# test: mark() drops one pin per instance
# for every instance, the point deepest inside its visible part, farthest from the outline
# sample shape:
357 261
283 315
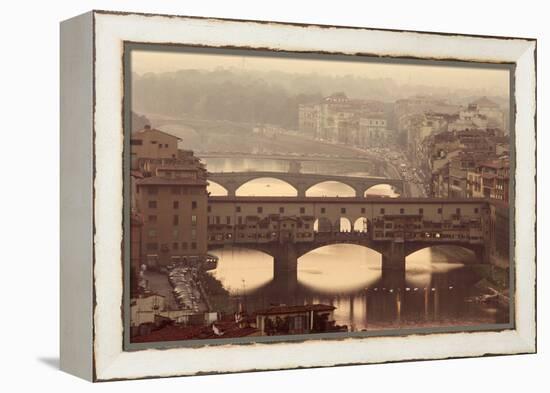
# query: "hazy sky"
495 80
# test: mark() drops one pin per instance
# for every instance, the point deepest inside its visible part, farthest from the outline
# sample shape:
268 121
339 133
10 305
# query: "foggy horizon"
490 81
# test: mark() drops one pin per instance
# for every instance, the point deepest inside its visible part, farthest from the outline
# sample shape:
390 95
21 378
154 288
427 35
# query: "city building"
373 131
136 224
338 118
169 200
453 158
149 311
411 112
299 319
185 163
308 119
174 219
496 117
258 228
153 143
490 179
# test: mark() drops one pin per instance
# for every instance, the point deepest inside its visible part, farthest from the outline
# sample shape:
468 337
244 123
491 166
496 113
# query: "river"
437 289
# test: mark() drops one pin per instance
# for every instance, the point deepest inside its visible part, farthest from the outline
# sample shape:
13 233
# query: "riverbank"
492 278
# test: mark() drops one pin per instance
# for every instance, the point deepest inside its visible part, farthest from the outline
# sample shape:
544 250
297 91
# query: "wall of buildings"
338 118
169 201
174 219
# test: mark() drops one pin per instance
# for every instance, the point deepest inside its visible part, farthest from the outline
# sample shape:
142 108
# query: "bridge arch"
216 189
382 189
267 186
361 225
250 268
468 253
378 253
341 189
345 268
322 224
343 224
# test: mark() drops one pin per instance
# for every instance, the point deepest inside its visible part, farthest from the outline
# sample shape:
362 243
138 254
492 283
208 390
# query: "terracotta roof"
149 129
189 167
294 309
175 333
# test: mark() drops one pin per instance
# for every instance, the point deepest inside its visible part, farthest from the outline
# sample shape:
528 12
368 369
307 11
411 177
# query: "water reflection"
381 190
435 290
330 189
241 270
319 272
266 186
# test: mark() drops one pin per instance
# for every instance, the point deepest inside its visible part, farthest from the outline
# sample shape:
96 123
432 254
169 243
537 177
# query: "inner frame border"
129 46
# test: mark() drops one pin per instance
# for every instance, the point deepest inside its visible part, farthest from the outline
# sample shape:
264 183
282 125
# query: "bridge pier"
285 261
231 192
394 257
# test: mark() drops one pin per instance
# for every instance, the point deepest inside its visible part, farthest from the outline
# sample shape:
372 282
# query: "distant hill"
270 97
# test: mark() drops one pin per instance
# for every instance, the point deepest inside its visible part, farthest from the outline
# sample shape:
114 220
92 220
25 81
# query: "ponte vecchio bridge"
301 182
288 227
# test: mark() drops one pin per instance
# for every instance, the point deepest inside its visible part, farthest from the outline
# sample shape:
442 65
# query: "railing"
342 236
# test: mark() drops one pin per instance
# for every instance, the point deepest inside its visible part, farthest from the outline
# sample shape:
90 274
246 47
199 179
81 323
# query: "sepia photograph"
277 195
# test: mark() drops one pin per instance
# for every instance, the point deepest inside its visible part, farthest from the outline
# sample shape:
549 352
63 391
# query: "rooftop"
175 333
162 181
148 128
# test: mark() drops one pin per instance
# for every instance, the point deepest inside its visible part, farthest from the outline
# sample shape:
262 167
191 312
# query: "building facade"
338 118
153 144
169 197
174 219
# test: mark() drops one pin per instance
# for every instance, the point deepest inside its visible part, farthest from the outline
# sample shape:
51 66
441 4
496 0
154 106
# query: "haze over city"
279 196
469 77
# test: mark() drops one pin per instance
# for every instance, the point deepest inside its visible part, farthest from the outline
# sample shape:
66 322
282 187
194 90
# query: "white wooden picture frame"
92 140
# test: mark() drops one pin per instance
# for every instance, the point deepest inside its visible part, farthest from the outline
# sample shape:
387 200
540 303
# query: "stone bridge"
288 227
301 182
394 252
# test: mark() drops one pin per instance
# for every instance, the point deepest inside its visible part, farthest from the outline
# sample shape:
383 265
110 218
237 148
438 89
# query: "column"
394 258
285 261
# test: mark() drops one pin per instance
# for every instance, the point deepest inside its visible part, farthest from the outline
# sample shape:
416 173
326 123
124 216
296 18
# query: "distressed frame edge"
526 339
76 40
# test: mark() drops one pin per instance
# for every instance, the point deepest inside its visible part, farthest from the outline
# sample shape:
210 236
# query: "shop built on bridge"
288 227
